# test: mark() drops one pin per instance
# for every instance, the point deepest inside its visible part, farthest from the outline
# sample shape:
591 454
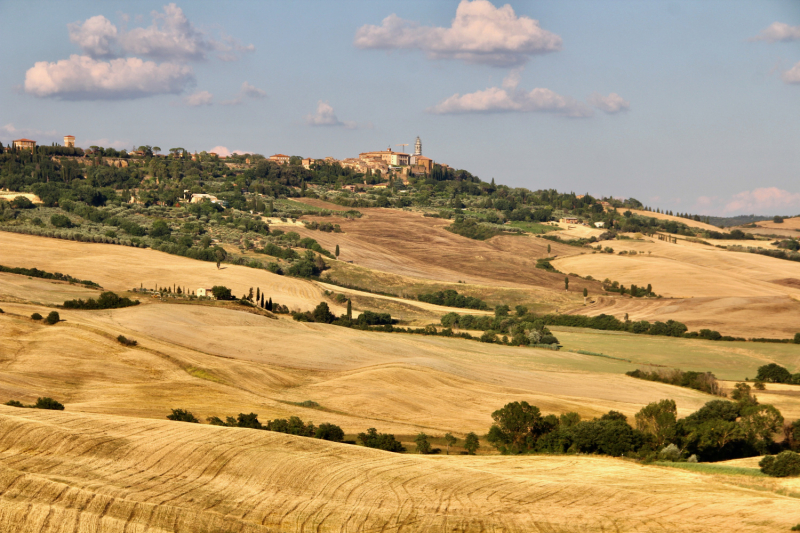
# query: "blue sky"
688 106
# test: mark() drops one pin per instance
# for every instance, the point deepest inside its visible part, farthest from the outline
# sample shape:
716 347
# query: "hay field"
63 471
218 362
688 222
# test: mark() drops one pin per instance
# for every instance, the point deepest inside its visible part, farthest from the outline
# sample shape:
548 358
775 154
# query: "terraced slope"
65 472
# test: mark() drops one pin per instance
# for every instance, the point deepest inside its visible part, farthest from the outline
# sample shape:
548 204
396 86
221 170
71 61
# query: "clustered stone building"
381 161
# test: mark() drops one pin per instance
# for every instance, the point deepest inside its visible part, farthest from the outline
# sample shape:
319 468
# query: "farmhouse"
388 156
24 144
197 198
599 224
204 292
281 159
569 220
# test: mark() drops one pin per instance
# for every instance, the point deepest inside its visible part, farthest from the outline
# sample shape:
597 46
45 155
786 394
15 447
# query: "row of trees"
719 430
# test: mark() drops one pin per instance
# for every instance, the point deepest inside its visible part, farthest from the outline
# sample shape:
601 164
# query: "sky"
690 106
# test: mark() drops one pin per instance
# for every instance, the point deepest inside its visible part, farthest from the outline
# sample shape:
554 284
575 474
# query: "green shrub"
784 464
14 403
60 221
107 300
330 432
221 292
181 415
773 373
126 341
52 318
36 316
48 403
381 441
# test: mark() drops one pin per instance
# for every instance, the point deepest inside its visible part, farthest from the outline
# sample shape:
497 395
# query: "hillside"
65 471
661 216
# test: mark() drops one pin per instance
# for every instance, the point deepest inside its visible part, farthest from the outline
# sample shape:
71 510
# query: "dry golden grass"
63 471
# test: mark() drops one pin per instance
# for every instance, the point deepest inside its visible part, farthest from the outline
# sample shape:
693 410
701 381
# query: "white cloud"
761 201
171 37
792 75
325 116
9 131
85 78
479 33
252 91
511 99
96 36
106 143
778 31
613 103
198 99
223 151
247 90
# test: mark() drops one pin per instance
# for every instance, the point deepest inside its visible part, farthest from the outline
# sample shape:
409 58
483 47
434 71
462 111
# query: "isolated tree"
337 251
270 304
450 440
258 293
156 149
220 255
585 292
742 394
349 310
797 338
48 403
773 373
182 415
566 283
52 318
471 443
516 427
548 248
658 419
262 302
423 446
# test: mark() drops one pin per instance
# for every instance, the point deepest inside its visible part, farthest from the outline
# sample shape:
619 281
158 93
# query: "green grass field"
532 227
708 468
727 360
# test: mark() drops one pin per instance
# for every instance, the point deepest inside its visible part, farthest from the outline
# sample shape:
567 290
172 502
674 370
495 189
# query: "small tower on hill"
418 147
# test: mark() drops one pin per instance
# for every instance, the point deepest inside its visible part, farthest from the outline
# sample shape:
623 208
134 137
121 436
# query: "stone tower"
69 141
418 147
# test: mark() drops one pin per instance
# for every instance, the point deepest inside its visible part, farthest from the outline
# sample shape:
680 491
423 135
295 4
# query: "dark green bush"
126 341
52 318
48 403
785 464
330 432
381 441
182 415
107 300
36 316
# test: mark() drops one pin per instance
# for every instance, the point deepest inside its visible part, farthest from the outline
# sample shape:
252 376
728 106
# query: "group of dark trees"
719 430
106 300
292 426
451 298
365 320
36 273
702 381
41 403
775 373
51 318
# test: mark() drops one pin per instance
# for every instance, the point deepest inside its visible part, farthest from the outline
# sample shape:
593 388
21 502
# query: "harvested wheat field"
77 472
687 221
219 362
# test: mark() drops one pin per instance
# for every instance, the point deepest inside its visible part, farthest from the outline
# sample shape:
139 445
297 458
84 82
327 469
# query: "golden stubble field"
68 471
111 462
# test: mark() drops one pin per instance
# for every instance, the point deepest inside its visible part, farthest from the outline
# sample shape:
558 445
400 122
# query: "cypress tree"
258 293
349 310
271 308
337 251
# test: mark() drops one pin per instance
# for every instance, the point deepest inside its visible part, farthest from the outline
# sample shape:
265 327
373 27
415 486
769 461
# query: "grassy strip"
711 468
586 352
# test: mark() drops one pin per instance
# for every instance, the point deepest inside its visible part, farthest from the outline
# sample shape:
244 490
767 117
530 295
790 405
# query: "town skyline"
689 107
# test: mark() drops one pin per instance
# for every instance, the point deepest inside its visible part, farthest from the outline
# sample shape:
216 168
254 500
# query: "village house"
201 292
281 159
388 156
197 198
569 220
24 144
599 224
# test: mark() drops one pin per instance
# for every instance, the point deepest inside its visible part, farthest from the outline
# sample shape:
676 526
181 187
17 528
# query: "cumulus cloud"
480 33
778 31
511 99
170 37
223 151
9 131
325 116
761 201
247 91
613 103
97 36
792 75
83 77
198 99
